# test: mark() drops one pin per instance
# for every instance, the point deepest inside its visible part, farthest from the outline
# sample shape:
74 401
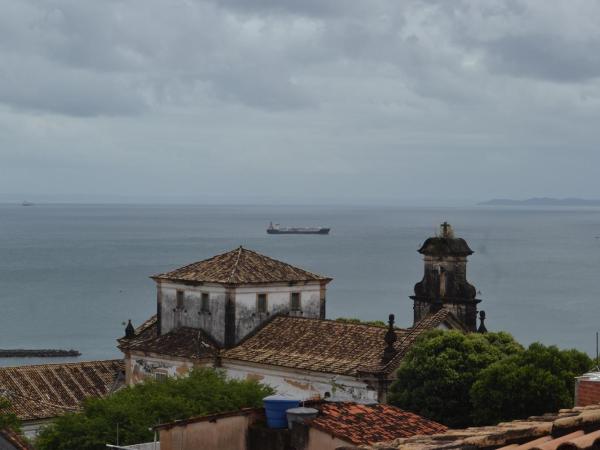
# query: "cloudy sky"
298 101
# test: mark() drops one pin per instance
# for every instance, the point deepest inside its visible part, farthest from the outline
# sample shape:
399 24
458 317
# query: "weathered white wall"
213 322
139 368
248 319
303 385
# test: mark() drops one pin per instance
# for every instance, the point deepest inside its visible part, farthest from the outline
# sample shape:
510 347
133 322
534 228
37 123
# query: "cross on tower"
445 227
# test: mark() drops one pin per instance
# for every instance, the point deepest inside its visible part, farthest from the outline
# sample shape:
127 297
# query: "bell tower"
444 283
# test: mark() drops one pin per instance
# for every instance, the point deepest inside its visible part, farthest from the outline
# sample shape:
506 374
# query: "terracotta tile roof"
365 424
184 342
310 344
569 429
313 344
240 266
16 440
45 391
429 322
352 422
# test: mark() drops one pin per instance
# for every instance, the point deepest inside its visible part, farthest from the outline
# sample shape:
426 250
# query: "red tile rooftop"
569 429
364 424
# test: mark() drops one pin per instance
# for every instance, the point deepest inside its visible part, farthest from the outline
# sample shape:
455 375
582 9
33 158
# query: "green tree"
136 409
375 323
436 375
539 380
7 418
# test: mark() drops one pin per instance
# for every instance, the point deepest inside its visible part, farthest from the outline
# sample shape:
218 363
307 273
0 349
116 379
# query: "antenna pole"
597 366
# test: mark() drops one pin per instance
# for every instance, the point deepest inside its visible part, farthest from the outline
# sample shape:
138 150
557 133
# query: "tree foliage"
479 379
437 374
375 323
7 418
538 380
136 409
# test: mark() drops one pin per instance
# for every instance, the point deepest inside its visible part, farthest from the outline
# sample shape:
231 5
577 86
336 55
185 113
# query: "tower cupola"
444 284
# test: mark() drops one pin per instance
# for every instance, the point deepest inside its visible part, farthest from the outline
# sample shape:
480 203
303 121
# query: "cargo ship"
276 229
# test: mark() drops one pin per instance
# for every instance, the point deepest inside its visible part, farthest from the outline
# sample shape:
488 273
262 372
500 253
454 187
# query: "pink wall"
228 433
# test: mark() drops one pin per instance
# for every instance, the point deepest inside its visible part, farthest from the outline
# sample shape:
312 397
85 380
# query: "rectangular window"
179 299
261 303
295 301
205 303
160 375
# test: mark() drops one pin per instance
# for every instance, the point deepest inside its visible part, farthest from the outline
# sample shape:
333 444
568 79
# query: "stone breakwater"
44 353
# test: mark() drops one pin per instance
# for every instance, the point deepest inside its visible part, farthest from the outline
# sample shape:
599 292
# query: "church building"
259 318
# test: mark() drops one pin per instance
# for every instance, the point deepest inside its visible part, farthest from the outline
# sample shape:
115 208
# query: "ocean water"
70 275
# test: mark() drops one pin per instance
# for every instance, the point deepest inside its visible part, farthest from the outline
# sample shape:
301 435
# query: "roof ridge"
235 264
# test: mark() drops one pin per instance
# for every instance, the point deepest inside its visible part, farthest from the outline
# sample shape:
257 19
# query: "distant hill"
541 201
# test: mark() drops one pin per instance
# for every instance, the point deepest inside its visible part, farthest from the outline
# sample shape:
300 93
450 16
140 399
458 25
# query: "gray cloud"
324 91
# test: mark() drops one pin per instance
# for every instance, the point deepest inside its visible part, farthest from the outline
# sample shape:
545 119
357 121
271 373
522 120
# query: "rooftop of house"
366 424
569 429
44 391
328 346
14 439
238 267
309 344
184 342
313 344
355 423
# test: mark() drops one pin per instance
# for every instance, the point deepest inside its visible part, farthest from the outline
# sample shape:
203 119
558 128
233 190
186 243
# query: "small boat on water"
26 203
276 229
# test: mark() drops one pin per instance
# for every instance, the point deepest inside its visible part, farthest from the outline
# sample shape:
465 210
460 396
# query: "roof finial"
446 230
482 328
390 338
129 330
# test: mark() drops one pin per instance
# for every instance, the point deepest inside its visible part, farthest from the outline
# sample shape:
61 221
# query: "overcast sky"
299 100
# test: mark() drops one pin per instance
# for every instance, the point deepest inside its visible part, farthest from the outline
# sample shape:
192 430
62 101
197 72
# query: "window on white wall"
161 375
295 301
205 302
180 296
261 303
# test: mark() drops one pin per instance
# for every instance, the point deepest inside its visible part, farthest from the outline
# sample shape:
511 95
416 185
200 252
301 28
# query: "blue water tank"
275 408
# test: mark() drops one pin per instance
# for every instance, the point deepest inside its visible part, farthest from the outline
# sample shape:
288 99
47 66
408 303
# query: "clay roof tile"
240 266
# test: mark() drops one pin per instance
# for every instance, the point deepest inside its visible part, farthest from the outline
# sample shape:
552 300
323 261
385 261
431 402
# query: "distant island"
45 353
541 201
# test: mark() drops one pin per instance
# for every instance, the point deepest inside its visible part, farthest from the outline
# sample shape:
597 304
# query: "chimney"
587 389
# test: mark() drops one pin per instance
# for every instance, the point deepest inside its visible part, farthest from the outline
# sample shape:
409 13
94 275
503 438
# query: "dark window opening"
205 303
295 301
261 303
179 299
161 376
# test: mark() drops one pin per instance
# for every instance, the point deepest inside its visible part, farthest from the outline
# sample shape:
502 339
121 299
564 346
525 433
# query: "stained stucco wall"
227 433
213 321
141 367
318 440
302 384
248 319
